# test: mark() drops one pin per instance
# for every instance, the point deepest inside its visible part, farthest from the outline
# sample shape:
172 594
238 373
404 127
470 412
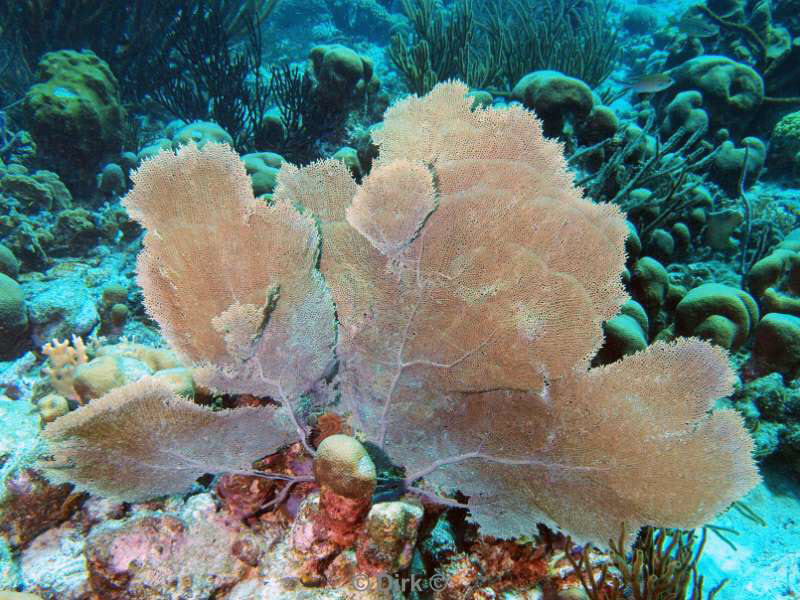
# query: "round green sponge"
13 315
777 345
719 313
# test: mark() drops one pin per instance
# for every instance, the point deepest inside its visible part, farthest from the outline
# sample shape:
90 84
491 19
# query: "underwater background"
127 471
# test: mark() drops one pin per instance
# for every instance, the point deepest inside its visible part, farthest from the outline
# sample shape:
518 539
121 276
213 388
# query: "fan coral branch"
467 320
245 303
141 440
471 280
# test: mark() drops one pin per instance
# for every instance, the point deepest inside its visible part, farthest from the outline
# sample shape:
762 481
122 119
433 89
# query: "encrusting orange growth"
64 358
470 280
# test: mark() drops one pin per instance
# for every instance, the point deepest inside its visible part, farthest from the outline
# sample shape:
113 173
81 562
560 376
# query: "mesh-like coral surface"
469 279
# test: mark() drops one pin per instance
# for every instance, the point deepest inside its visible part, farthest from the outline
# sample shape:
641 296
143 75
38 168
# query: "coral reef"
32 506
75 109
371 353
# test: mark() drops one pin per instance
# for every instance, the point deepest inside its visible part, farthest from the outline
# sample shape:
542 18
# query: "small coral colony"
426 299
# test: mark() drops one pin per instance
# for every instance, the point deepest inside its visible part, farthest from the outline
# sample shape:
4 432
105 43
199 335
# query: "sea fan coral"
141 440
466 331
232 283
470 281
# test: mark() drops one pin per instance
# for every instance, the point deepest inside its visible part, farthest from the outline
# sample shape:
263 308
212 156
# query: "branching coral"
308 118
179 52
470 280
442 46
64 358
126 36
518 36
575 37
207 75
664 565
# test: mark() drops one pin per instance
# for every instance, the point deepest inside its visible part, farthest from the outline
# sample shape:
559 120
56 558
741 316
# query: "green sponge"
720 313
777 345
13 315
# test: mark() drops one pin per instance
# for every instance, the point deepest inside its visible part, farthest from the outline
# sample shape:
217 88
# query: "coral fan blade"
140 441
206 248
467 348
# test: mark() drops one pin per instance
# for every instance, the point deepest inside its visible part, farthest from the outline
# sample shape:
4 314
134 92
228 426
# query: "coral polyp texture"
461 287
232 282
141 440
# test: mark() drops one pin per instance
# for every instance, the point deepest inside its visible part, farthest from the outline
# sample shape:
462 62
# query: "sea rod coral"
450 305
